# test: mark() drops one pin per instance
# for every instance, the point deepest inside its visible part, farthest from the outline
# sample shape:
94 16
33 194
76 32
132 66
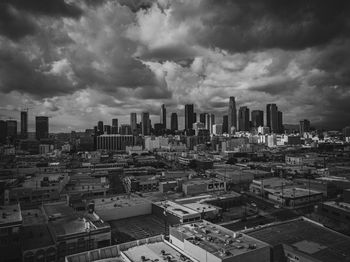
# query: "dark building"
3 131
304 126
24 124
146 124
194 117
114 129
272 117
133 123
100 127
107 129
125 130
232 114
280 128
257 118
225 124
243 118
174 122
158 129
11 129
42 127
202 118
189 116
163 116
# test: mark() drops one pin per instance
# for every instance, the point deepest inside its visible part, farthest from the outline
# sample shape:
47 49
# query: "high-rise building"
133 122
207 122
194 117
197 126
173 122
202 118
225 124
107 129
163 116
189 116
114 129
243 118
280 127
232 114
146 124
257 118
304 126
100 127
125 130
24 124
272 117
211 122
41 127
217 129
11 129
3 131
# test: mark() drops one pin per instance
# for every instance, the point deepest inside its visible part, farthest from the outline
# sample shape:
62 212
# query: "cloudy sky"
80 61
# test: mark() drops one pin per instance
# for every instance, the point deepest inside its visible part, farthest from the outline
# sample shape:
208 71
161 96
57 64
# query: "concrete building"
41 127
243 119
24 124
217 129
257 117
303 240
195 187
189 116
163 116
114 142
208 242
232 115
133 123
174 122
145 124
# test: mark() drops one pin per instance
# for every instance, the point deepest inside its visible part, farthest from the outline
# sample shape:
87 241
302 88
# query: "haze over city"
83 61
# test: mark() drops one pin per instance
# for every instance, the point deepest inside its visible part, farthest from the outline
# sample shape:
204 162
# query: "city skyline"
79 62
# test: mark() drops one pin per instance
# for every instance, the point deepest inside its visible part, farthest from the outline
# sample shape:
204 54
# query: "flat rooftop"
340 205
310 238
158 251
214 239
35 181
294 192
33 217
10 215
119 201
177 209
201 207
203 181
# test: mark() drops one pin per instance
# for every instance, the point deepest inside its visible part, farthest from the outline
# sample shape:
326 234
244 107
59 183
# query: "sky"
80 61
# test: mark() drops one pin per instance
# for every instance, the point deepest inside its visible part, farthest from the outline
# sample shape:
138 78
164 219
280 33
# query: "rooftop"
216 239
119 201
308 237
294 192
158 251
10 215
202 181
340 205
33 217
177 209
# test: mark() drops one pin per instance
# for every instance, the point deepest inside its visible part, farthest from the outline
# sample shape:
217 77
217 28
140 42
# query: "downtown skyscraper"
243 119
173 122
133 122
232 114
146 124
41 127
257 117
24 124
189 117
163 116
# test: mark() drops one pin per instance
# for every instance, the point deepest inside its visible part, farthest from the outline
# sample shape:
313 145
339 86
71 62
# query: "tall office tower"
107 129
41 127
194 117
243 118
280 127
11 129
145 124
133 122
163 116
2 131
217 129
211 122
100 127
188 116
125 130
207 122
272 117
304 126
114 129
173 122
202 118
257 118
225 124
232 114
24 124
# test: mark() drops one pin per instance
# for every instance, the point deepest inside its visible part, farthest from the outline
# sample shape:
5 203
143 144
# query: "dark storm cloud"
136 5
19 74
17 17
250 25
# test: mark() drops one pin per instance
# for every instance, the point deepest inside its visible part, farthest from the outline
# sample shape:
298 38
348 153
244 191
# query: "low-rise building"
199 186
